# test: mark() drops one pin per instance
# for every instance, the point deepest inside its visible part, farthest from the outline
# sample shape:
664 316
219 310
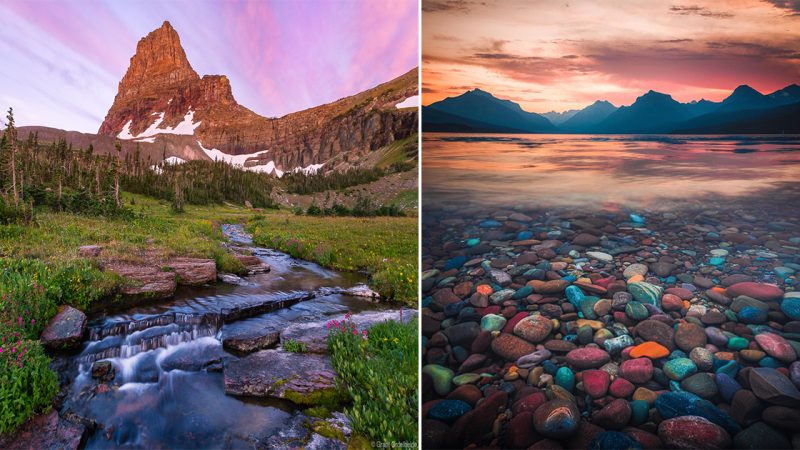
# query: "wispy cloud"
700 11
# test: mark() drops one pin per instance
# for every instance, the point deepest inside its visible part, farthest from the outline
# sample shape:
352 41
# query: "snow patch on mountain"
185 127
410 102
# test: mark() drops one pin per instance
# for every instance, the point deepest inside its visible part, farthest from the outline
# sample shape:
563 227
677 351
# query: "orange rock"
686 304
724 356
635 278
650 349
718 289
484 289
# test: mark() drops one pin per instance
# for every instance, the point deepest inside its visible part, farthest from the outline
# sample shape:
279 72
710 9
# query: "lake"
603 170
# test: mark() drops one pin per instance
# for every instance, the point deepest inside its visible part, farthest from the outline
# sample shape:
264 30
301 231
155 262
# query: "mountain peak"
744 88
159 58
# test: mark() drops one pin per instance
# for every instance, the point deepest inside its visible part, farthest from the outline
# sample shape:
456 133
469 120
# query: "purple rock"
716 336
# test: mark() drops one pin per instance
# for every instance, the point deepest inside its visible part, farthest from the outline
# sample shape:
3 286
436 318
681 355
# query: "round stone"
692 432
557 419
700 384
791 307
442 378
635 269
650 349
777 347
565 378
511 347
587 358
596 383
653 330
636 310
621 388
637 371
534 328
759 291
689 336
679 368
702 358
449 410
492 322
737 343
645 292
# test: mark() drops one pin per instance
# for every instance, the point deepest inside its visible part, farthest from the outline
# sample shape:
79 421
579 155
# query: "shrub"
27 385
397 281
378 368
291 345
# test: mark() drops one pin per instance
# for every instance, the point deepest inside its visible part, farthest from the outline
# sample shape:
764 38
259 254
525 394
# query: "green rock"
640 411
442 378
646 292
679 368
466 378
737 343
701 385
636 310
492 322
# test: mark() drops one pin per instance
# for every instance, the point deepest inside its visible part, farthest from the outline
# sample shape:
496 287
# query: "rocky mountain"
484 109
557 118
587 118
161 96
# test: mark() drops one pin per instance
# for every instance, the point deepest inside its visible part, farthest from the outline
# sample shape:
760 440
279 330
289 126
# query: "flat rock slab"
194 271
65 330
45 432
303 378
148 281
315 334
249 342
253 264
363 291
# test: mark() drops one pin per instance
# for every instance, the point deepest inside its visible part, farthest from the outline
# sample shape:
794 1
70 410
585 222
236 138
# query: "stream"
168 359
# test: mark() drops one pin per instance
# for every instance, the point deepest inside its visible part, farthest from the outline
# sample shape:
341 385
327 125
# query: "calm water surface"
602 170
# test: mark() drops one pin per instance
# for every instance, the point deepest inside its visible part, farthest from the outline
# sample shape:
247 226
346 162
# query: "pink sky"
63 59
560 55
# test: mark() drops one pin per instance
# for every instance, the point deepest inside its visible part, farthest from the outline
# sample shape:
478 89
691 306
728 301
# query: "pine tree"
11 134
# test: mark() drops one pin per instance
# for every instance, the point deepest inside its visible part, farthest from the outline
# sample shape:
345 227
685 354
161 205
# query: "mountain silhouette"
585 120
480 109
745 110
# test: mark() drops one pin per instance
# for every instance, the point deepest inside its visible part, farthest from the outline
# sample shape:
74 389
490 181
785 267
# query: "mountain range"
744 111
163 109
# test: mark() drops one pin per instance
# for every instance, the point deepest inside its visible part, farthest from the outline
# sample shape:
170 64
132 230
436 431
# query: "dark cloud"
675 41
791 5
460 6
699 10
428 90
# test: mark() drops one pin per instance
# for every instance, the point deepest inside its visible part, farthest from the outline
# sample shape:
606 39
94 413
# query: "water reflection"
595 170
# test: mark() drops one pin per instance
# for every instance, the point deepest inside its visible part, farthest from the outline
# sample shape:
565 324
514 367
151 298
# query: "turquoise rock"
524 235
769 361
522 292
783 272
737 343
575 295
426 301
716 261
455 262
565 378
635 218
442 378
679 368
791 307
490 224
617 344
646 292
729 368
587 307
492 322
640 411
473 242
449 410
636 310
752 315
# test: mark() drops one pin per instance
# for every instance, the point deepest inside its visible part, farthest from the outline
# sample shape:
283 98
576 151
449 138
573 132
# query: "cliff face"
161 93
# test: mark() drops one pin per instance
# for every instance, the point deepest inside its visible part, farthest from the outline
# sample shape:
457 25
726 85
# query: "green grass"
398 151
384 247
406 200
380 363
294 346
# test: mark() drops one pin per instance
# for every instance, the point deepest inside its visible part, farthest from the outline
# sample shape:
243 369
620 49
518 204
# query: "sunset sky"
63 59
560 55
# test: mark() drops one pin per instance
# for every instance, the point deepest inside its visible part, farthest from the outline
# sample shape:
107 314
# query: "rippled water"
168 391
602 170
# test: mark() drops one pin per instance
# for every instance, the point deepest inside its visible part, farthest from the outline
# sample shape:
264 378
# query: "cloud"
699 10
459 6
791 5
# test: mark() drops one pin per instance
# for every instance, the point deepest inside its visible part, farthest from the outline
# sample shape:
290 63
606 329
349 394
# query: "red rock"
587 431
649 441
596 382
591 288
546 444
511 347
520 432
692 432
638 370
605 282
671 302
468 393
777 347
621 388
614 415
472 426
587 358
759 291
65 330
529 403
194 271
482 342
682 293
45 431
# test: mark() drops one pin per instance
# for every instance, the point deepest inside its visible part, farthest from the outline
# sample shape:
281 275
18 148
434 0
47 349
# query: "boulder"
45 432
194 271
65 330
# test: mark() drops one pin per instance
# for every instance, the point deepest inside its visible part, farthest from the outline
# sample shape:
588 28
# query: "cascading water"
165 386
